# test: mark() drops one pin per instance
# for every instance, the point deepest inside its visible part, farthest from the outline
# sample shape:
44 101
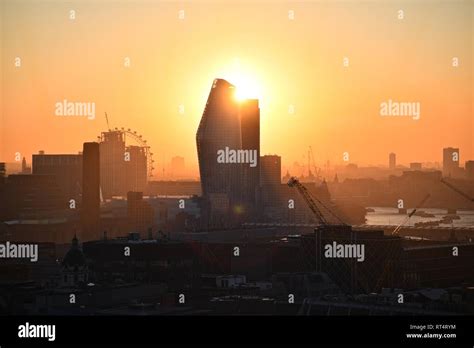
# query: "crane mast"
107 120
317 171
311 202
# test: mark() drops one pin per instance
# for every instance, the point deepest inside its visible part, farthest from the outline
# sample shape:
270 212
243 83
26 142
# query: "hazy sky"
281 61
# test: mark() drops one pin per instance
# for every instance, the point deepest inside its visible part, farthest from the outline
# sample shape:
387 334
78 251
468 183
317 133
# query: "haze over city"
322 89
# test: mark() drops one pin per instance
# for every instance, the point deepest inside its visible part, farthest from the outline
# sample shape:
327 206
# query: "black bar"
140 330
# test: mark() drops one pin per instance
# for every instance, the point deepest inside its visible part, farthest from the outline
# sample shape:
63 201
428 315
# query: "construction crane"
107 120
311 161
454 188
388 265
313 202
397 229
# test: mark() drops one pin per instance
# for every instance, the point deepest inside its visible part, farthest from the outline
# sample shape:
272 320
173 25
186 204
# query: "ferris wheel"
131 137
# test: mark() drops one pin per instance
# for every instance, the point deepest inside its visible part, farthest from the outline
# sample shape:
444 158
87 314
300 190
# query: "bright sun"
245 81
245 88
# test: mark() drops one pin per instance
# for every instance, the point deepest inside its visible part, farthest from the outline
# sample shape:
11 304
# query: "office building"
469 169
31 196
139 212
270 180
67 169
392 161
112 162
219 129
415 166
90 212
450 161
250 129
135 169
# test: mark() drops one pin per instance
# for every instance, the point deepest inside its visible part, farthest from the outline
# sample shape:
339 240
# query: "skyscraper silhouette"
450 161
228 188
112 165
250 132
392 160
135 169
90 213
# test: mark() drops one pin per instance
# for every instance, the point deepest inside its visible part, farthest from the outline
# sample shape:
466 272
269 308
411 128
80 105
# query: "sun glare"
245 81
245 88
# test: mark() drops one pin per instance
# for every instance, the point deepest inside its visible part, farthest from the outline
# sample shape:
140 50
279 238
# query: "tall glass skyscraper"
227 123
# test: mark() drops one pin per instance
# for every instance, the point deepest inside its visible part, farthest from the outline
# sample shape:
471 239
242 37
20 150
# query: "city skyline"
169 170
215 159
308 96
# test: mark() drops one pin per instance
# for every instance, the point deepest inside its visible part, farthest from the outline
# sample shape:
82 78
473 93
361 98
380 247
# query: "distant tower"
90 213
270 179
392 160
23 165
450 161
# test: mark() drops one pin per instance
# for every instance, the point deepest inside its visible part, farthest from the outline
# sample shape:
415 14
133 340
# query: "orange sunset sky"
256 46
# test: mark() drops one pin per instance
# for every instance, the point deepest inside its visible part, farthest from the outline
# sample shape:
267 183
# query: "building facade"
66 168
392 160
112 173
220 129
90 210
450 161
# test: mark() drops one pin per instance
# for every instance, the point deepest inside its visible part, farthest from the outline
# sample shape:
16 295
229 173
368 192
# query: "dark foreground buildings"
387 262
